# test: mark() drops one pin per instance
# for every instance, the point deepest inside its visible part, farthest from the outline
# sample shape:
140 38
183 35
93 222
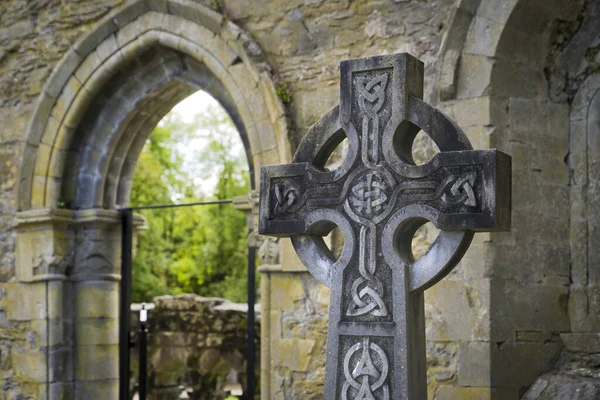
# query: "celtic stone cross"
378 197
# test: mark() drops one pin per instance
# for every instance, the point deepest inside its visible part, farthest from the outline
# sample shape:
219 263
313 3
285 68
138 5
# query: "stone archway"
91 121
584 158
512 289
230 55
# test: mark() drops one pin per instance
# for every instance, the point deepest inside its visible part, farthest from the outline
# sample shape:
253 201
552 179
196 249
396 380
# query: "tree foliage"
199 249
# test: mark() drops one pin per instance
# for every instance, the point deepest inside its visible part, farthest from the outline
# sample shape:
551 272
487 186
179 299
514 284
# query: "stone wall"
519 75
296 330
193 344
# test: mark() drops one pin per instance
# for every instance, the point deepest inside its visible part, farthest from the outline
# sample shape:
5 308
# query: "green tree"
200 249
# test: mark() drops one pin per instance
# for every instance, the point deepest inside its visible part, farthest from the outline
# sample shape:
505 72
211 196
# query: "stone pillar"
294 307
95 278
66 301
42 353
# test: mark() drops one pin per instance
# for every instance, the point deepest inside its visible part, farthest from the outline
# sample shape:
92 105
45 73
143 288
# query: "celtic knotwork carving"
461 190
369 198
372 91
371 96
358 385
368 195
367 290
285 197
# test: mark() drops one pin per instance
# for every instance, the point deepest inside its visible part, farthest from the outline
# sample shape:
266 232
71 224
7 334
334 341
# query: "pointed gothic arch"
214 55
95 112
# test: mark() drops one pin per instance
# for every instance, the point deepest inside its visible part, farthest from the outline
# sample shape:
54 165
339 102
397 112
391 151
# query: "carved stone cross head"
378 197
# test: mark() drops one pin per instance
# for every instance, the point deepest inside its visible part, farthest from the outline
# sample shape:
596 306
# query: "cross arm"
469 189
285 192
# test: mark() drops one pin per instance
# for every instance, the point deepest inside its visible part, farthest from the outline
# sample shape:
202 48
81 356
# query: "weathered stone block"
578 156
129 12
43 244
25 302
446 392
521 43
499 12
100 390
453 310
96 299
480 136
61 391
583 303
483 36
477 111
49 134
96 362
546 263
89 42
539 307
582 342
268 141
295 354
268 157
312 104
474 72
97 331
62 73
30 364
47 332
289 260
60 364
287 292
474 364
476 263
533 359
198 13
533 336
489 364
88 66
41 165
519 80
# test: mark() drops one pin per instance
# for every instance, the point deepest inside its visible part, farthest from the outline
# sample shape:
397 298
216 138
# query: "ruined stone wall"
193 343
34 35
296 330
496 67
305 41
573 71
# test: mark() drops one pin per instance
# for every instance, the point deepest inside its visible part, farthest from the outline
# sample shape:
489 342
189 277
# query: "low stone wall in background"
195 345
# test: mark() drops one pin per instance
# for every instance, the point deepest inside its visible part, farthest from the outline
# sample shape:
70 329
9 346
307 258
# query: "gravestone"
378 198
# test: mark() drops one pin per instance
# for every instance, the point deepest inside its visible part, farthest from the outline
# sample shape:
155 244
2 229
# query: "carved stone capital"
268 247
97 252
249 205
44 244
85 244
